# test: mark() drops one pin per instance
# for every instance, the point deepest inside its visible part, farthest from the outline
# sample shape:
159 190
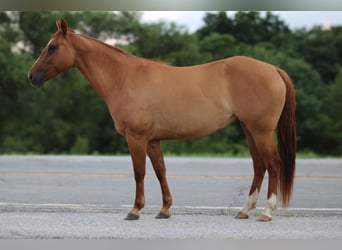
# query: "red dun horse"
150 101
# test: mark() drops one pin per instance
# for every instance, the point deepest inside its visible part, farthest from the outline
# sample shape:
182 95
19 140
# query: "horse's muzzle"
37 78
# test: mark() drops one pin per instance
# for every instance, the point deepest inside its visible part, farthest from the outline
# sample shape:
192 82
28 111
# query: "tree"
218 46
322 49
331 118
248 27
216 23
166 42
252 28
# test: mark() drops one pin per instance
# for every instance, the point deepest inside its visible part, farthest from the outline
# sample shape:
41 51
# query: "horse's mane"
106 45
115 48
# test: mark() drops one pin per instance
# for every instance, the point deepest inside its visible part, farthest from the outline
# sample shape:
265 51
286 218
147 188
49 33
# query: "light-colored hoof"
241 215
264 218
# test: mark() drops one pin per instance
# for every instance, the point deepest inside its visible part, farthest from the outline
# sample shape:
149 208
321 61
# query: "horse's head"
57 56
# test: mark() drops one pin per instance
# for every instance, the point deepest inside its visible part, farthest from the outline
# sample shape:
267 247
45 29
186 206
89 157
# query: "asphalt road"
88 197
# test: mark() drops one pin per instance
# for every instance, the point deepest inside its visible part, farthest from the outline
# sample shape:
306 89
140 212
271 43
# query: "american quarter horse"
150 101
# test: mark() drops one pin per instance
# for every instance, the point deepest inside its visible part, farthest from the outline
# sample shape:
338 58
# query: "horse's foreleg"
137 148
155 153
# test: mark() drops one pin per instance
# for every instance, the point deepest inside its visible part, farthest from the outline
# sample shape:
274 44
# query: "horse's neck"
102 66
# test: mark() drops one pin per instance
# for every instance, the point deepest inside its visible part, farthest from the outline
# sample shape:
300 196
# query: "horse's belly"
193 107
188 125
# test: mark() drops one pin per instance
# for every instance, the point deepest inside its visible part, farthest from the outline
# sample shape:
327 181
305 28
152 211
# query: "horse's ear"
62 26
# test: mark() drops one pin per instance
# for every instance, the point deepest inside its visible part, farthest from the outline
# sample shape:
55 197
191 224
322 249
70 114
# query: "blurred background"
67 117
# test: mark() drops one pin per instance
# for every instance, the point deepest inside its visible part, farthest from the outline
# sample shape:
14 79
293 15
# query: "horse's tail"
286 133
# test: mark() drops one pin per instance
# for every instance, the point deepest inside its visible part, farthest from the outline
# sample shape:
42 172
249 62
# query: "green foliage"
68 117
218 46
175 45
331 118
81 146
322 49
215 23
247 27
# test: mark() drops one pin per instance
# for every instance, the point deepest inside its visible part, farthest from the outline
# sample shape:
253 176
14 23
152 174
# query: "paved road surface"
87 197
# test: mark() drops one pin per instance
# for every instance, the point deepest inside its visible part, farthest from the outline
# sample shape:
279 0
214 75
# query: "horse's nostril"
30 77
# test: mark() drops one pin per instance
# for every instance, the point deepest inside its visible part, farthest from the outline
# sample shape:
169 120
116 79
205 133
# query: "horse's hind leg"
266 147
155 153
259 172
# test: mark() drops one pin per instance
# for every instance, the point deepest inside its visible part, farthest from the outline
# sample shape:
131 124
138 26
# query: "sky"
193 20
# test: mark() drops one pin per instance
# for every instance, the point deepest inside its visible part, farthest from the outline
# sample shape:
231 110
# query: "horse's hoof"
162 215
241 215
264 218
131 216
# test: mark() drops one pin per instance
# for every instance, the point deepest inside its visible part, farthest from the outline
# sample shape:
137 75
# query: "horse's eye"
52 47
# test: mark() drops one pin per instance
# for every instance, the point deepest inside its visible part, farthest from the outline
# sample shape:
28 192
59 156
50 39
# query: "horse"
150 101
